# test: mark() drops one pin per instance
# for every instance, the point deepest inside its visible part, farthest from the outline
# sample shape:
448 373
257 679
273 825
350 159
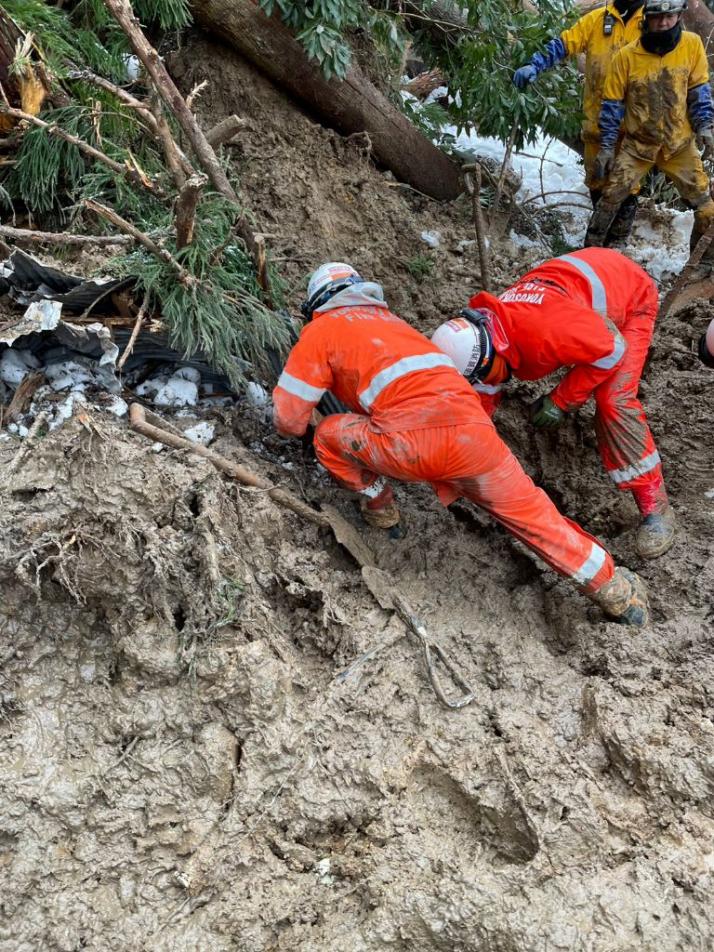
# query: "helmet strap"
479 321
323 295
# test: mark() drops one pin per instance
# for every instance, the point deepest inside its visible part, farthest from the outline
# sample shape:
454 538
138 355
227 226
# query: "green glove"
545 413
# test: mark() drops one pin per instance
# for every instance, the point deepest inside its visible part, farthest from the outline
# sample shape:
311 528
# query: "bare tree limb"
124 15
123 225
128 171
26 236
473 187
186 205
134 333
224 130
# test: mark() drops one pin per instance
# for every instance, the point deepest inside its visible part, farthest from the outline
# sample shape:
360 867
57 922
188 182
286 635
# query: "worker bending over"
593 311
598 34
416 419
659 86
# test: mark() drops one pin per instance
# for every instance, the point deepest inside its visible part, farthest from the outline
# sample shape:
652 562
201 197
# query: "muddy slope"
179 768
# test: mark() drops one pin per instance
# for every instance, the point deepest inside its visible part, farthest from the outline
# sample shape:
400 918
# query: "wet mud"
182 769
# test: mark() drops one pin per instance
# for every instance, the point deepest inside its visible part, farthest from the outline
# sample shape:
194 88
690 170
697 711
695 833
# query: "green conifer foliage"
223 315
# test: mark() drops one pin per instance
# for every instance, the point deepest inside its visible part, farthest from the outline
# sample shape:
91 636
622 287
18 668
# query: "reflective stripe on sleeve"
371 492
637 469
401 368
615 356
488 388
298 388
597 288
591 566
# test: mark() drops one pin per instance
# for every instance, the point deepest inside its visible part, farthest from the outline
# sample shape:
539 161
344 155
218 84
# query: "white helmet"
658 7
325 282
467 341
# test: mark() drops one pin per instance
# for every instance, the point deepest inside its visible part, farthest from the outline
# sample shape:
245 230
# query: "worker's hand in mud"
544 413
524 76
604 161
705 141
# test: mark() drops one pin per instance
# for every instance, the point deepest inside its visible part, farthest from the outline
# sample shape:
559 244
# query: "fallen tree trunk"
352 105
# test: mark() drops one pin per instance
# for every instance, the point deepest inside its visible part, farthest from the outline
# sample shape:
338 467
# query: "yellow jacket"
587 36
654 89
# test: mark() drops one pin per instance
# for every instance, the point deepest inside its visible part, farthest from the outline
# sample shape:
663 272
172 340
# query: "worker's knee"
704 212
337 435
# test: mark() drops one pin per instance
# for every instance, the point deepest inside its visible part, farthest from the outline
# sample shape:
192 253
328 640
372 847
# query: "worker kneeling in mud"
599 34
659 85
416 419
593 311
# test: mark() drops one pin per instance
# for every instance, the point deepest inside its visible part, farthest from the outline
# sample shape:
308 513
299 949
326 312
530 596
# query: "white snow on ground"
202 433
552 176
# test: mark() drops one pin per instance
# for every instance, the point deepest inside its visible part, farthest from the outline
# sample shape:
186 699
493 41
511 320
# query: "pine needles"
222 314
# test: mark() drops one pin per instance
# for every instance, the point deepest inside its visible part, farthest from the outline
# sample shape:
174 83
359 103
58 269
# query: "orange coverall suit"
417 419
593 311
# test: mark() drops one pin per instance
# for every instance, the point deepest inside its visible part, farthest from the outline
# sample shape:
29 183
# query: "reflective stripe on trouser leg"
510 495
627 447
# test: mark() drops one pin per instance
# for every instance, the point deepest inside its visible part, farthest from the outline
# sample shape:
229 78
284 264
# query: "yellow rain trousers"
587 36
657 129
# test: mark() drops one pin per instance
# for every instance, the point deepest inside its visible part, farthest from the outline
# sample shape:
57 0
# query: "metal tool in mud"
380 584
384 591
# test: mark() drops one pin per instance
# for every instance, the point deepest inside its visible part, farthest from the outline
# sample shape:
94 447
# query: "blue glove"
524 76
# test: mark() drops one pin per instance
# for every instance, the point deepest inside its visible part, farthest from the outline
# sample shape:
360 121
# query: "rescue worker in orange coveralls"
415 418
593 311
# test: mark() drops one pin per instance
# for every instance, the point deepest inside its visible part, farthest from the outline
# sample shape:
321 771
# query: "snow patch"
202 433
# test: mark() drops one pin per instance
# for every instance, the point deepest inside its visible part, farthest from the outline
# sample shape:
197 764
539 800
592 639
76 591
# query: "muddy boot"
380 511
624 598
656 534
621 226
382 517
599 224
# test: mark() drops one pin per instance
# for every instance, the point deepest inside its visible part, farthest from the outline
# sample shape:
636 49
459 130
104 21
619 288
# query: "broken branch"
473 187
134 333
124 15
52 129
224 130
123 225
186 205
26 236
137 419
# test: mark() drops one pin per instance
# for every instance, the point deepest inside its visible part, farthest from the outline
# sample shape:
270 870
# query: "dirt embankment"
179 769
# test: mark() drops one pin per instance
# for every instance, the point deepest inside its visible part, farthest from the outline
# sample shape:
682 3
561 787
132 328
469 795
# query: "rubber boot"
624 598
599 224
380 512
656 534
621 227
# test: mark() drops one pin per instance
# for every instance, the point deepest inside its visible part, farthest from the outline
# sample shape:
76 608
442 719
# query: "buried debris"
380 584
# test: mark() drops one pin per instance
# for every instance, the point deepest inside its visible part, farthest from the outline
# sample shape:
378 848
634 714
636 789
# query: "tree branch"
123 225
124 15
127 171
186 205
224 130
26 236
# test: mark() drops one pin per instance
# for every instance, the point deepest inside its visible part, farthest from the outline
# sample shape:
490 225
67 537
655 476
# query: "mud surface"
179 767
